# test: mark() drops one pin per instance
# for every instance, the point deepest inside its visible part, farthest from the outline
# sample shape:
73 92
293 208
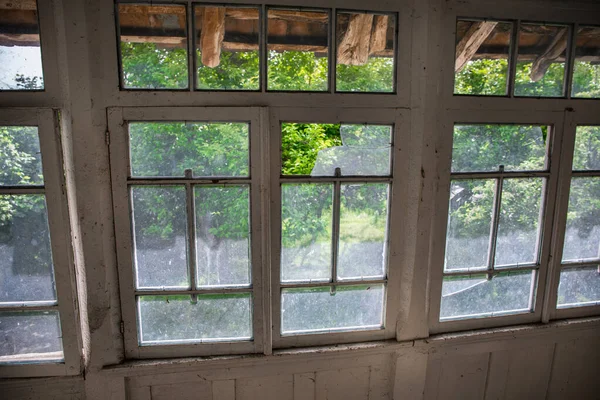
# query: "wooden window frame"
46 120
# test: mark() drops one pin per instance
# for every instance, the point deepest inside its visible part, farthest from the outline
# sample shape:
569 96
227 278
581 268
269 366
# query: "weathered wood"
353 48
544 60
18 5
470 43
211 37
379 34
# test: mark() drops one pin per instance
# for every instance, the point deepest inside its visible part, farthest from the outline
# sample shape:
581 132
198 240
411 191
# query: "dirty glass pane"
475 296
314 310
20 52
306 218
469 224
365 52
541 60
362 252
297 46
153 46
483 148
587 148
177 319
26 270
481 60
227 53
30 337
160 226
318 149
579 287
586 72
222 236
518 226
20 156
582 235
207 148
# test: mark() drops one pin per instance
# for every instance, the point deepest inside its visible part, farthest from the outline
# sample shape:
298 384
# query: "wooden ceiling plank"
353 48
470 43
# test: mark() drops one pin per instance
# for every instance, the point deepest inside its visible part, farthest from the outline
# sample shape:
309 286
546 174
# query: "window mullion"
495 223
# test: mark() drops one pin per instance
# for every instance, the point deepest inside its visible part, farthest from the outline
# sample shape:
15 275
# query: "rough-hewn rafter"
211 37
353 48
470 43
554 50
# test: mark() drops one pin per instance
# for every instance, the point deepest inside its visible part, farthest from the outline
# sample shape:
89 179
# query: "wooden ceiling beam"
470 43
552 52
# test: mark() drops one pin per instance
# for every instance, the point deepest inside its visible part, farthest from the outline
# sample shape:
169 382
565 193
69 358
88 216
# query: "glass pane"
176 319
469 224
541 60
579 287
318 149
306 219
482 51
222 235
586 73
160 226
153 46
227 56
587 148
20 53
362 252
297 45
518 226
310 310
582 236
475 296
481 148
208 149
30 337
20 156
26 269
365 52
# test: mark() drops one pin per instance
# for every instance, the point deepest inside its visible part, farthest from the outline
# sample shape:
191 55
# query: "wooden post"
211 37
554 50
470 43
354 46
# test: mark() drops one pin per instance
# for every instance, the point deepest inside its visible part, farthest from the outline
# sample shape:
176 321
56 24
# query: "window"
490 60
192 269
20 52
580 272
228 48
37 320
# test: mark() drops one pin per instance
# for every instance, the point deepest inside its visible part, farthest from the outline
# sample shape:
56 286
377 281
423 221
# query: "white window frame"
46 120
573 119
452 117
118 119
398 119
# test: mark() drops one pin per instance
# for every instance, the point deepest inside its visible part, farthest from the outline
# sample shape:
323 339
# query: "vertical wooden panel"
497 375
304 386
410 375
223 390
575 370
348 384
463 377
182 391
529 372
279 387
